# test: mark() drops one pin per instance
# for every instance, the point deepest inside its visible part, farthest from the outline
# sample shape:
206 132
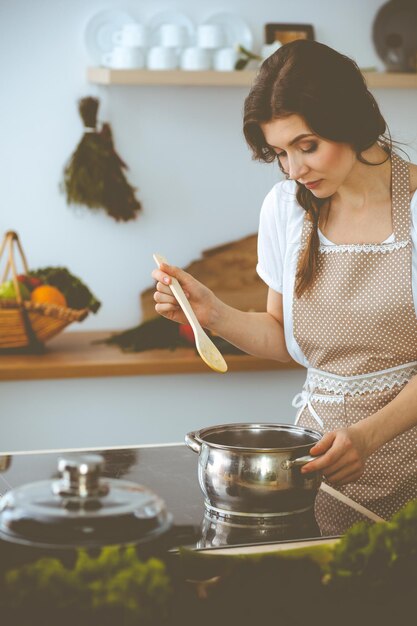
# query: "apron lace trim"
363 247
358 385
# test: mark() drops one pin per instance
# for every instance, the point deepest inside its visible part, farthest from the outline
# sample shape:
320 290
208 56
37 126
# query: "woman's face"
319 164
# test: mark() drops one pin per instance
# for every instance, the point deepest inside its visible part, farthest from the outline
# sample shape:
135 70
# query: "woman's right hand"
202 300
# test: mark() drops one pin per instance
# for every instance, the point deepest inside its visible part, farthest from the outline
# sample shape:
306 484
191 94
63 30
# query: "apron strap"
400 194
302 400
307 228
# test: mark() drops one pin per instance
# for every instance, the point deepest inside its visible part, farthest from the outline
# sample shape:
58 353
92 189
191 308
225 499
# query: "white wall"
184 146
138 410
197 183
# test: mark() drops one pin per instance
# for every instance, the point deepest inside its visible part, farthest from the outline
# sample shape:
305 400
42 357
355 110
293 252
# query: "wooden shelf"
106 76
181 78
390 80
72 355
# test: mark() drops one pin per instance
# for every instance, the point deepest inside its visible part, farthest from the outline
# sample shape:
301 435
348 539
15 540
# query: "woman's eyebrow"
293 141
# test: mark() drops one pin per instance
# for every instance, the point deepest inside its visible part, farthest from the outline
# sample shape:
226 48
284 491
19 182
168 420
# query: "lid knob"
80 476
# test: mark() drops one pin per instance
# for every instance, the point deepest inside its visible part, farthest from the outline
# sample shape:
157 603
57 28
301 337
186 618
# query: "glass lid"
81 509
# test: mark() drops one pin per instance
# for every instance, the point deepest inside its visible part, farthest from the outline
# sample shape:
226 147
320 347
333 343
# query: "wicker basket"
25 325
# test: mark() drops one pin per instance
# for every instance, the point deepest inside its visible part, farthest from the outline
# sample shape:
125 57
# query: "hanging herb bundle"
95 173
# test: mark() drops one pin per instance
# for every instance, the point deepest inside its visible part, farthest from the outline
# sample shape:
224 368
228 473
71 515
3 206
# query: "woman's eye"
308 150
312 148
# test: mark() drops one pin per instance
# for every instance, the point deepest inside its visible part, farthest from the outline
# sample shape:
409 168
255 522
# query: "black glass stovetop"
171 472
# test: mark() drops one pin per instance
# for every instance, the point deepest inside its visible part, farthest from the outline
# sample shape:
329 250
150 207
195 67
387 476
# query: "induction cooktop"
169 470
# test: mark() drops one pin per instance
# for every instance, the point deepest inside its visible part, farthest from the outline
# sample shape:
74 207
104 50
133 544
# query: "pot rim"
199 435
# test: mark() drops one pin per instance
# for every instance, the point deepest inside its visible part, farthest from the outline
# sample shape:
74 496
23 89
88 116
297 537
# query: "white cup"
173 35
195 59
122 57
224 60
162 58
210 36
135 35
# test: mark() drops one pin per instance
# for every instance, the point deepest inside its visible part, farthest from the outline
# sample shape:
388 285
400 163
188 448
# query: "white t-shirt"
279 237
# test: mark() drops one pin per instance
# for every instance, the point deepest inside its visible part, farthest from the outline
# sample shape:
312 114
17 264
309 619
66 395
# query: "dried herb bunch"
94 175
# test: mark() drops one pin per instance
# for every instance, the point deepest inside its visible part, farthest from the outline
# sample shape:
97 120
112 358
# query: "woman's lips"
313 184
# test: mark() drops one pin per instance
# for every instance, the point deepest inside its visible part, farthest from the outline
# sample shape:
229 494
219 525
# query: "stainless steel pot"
254 469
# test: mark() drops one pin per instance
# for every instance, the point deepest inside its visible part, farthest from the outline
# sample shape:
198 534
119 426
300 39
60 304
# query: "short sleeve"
270 244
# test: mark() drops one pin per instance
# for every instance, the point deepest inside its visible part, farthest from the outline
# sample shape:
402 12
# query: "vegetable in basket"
76 293
36 306
8 291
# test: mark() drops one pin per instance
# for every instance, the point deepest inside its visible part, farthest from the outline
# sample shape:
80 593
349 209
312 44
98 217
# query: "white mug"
210 36
122 57
135 35
195 59
162 58
173 35
224 60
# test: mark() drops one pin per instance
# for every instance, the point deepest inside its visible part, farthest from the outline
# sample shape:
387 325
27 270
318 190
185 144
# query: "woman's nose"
296 169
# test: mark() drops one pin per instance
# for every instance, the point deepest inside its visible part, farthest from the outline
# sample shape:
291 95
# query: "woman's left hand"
343 456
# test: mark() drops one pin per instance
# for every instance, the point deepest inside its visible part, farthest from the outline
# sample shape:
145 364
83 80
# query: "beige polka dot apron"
357 326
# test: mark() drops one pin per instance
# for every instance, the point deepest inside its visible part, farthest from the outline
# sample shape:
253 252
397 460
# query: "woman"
337 248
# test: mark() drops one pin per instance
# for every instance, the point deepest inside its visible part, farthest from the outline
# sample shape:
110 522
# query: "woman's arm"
393 419
259 334
346 450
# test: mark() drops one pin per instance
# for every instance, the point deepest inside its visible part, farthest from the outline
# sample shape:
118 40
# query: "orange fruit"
48 295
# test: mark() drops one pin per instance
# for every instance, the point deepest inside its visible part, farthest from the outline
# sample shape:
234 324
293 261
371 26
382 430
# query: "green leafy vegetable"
77 294
114 588
159 333
378 557
368 577
245 56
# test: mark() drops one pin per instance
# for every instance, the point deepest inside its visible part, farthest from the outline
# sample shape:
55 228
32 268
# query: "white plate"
100 30
169 17
235 28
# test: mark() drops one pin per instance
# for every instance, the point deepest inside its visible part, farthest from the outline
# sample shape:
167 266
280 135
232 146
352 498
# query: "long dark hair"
328 90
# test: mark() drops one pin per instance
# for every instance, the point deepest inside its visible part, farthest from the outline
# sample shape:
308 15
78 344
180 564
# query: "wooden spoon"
206 348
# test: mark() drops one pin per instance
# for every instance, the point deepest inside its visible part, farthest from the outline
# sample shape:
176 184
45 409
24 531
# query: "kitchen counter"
207 581
73 355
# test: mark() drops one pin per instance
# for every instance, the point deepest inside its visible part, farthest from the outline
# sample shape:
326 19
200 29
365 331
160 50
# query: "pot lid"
82 509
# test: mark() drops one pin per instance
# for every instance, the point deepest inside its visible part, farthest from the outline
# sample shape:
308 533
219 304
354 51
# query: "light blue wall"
137 410
198 186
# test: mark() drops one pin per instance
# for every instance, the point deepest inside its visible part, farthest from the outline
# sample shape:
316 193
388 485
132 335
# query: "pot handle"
192 442
302 460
